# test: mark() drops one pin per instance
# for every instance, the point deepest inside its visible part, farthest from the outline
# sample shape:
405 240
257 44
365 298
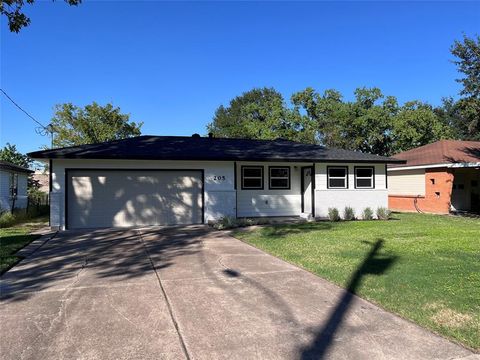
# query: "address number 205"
219 178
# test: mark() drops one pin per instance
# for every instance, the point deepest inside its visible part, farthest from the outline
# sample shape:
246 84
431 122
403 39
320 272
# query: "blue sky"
171 65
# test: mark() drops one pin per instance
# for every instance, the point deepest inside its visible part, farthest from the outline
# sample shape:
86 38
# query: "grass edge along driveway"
425 268
15 238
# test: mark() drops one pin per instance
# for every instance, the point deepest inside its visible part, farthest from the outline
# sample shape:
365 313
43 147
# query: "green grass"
427 268
14 238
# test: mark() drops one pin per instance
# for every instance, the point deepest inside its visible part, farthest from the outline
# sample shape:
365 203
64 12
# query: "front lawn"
14 238
423 267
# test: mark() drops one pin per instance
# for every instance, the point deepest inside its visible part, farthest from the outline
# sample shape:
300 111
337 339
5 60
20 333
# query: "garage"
126 198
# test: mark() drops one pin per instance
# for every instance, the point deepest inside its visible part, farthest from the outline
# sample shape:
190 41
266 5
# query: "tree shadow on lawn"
282 230
9 246
374 263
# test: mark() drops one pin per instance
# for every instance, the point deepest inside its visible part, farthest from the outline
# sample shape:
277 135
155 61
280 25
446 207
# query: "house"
163 180
437 178
13 186
42 178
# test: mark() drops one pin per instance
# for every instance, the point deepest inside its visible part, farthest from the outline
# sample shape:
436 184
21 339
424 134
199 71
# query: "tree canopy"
12 10
73 125
371 123
467 110
12 155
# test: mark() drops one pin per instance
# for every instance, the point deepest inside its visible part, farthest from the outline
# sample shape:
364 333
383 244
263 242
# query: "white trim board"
432 166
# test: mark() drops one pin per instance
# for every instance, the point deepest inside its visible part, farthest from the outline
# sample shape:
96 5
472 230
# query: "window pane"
333 183
254 172
337 172
279 183
283 172
364 172
364 183
252 183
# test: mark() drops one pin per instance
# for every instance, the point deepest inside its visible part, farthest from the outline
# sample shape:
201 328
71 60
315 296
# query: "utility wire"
24 111
41 129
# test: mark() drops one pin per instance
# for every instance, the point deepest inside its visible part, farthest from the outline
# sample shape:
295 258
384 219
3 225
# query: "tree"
361 125
73 125
12 155
12 9
467 53
417 124
257 114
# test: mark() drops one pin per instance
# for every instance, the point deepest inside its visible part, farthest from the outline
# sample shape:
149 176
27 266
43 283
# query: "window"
337 177
364 178
13 184
279 177
252 177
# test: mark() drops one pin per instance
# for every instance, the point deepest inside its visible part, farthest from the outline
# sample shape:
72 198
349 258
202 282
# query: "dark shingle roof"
203 148
5 165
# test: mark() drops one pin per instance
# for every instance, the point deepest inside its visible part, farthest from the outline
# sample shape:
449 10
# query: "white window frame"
371 178
337 177
270 178
252 177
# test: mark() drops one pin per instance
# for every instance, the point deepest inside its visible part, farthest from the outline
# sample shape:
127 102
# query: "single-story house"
437 178
13 186
163 180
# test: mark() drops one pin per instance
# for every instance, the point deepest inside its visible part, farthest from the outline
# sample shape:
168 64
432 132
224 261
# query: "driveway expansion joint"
167 300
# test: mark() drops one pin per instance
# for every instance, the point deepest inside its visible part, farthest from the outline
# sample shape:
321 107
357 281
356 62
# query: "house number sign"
219 178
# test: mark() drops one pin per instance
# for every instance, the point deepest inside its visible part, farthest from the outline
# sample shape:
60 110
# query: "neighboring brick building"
437 178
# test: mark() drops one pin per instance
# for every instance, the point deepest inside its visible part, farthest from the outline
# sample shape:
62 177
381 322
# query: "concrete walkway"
188 292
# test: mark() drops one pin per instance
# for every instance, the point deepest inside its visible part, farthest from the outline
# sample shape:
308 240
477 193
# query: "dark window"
279 178
364 178
474 183
337 178
252 177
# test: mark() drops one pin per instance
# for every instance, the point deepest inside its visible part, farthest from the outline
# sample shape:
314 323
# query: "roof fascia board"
432 166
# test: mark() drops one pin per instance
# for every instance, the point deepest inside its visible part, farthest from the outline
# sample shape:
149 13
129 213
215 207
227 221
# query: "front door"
307 190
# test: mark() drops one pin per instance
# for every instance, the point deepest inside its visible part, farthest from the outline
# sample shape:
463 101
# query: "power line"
24 111
40 129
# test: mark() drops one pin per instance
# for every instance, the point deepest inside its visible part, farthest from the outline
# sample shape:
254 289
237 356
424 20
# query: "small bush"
348 213
7 219
383 213
367 214
229 222
333 214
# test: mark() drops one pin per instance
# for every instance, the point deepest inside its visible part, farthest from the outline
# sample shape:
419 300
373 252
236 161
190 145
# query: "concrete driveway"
189 293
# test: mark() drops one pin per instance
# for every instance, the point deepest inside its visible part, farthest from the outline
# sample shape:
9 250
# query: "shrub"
367 214
7 219
333 214
383 213
228 222
348 213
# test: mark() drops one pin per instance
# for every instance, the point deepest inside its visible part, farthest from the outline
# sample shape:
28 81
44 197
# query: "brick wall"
438 191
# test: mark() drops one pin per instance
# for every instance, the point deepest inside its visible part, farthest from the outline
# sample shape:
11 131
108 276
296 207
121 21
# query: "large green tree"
258 114
371 123
12 155
13 11
467 54
73 125
417 124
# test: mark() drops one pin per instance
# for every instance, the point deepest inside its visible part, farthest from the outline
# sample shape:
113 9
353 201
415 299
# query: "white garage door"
123 198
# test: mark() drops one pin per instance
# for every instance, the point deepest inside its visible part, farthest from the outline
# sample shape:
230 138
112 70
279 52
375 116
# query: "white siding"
252 203
358 199
219 194
406 182
22 196
221 198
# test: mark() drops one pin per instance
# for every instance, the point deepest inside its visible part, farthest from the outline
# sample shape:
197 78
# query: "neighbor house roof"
5 165
442 152
205 148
